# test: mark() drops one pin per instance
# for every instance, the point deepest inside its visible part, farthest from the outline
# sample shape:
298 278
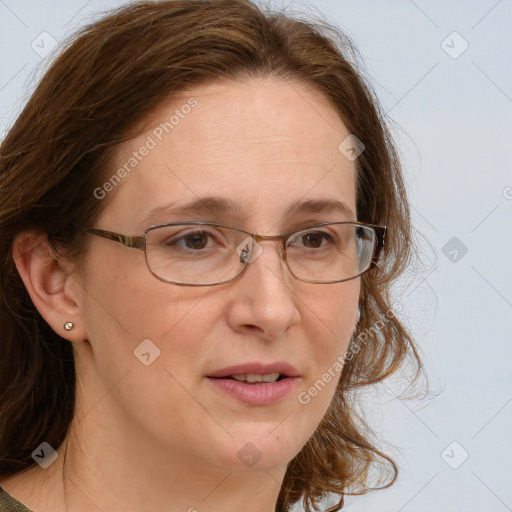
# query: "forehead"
261 144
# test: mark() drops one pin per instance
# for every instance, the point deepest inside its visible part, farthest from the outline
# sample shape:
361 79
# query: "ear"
51 284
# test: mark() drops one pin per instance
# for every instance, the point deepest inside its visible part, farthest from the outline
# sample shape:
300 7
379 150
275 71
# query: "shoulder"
10 504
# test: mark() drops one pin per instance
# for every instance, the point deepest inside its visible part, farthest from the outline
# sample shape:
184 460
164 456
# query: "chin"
259 451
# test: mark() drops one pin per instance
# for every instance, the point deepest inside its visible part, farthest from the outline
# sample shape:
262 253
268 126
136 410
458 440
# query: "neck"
89 474
142 479
111 469
110 461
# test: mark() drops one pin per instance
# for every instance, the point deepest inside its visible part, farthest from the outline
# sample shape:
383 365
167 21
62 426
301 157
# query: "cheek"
125 305
332 314
147 339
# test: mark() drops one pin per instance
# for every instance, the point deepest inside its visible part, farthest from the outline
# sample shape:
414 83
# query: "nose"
263 301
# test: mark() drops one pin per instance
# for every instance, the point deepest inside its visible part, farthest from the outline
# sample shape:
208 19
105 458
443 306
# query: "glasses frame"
139 242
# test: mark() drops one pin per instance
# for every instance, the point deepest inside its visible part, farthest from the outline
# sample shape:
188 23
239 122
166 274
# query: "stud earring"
68 326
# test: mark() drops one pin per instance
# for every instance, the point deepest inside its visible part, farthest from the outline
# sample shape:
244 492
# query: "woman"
202 213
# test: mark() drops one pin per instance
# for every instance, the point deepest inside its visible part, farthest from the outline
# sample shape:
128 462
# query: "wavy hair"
105 81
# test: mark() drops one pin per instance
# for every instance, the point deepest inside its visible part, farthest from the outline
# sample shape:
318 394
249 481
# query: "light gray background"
453 118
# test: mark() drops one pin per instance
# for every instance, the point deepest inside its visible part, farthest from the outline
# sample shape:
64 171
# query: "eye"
312 239
194 241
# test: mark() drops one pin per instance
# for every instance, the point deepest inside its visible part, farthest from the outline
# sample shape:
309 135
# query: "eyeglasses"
206 253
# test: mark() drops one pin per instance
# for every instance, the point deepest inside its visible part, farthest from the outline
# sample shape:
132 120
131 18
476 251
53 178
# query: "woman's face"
264 145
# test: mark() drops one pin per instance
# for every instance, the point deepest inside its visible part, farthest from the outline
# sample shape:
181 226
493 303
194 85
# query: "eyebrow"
223 205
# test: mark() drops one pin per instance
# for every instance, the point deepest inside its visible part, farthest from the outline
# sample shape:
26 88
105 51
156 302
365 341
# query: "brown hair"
106 80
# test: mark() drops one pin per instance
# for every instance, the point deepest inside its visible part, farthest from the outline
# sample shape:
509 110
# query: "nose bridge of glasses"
251 247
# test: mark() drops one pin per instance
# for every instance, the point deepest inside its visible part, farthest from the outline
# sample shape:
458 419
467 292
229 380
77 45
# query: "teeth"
253 377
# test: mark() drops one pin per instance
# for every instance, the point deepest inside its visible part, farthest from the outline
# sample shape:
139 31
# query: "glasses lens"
194 254
205 254
333 252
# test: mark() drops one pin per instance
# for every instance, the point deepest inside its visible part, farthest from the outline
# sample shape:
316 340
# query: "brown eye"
198 241
194 241
313 240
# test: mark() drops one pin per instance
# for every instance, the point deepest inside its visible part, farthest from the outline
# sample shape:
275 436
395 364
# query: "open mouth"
256 383
256 389
254 378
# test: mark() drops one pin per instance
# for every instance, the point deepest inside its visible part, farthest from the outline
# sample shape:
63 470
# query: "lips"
230 381
283 368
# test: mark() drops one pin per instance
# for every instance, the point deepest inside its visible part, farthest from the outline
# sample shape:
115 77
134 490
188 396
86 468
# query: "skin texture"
161 437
